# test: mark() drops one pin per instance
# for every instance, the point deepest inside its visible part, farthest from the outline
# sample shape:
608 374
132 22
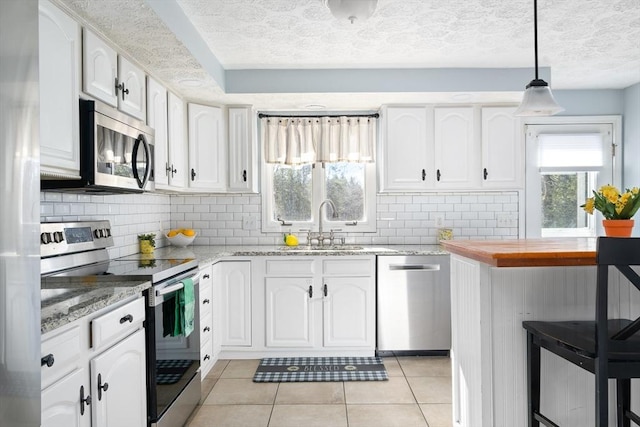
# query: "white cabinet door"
235 302
502 159
157 119
207 153
349 318
59 62
99 69
118 384
457 150
61 405
406 145
177 143
290 311
132 94
243 165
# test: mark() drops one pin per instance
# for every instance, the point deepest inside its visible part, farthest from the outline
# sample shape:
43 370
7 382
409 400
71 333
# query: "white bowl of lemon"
181 236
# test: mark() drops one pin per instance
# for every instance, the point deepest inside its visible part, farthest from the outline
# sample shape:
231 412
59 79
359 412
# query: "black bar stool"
608 348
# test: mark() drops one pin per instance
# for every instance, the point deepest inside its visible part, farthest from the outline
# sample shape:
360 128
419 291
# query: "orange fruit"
172 233
189 232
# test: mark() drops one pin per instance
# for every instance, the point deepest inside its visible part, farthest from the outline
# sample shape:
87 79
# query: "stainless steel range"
173 362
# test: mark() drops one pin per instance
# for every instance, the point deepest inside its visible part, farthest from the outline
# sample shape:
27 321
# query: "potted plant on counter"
147 243
617 209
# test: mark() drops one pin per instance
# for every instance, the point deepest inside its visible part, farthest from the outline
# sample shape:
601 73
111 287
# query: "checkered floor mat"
170 371
301 369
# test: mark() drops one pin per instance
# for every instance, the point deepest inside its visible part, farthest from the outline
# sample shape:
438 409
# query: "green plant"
612 203
151 237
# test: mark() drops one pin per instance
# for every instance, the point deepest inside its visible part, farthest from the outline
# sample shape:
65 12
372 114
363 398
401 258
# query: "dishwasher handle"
413 267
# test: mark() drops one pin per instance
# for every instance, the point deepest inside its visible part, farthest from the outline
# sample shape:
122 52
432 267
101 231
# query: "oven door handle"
168 289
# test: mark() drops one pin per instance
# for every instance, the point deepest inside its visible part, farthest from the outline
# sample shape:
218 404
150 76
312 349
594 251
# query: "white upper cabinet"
100 68
406 144
131 89
112 78
502 148
157 118
456 148
243 163
177 156
59 49
207 151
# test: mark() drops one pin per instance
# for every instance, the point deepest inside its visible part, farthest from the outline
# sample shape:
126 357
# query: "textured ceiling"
588 44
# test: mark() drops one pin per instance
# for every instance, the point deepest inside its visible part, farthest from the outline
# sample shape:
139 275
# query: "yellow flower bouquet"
612 203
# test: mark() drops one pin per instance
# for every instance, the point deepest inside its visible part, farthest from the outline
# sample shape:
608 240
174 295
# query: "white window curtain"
303 140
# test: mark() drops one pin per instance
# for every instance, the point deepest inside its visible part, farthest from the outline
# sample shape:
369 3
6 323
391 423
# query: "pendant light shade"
351 10
537 100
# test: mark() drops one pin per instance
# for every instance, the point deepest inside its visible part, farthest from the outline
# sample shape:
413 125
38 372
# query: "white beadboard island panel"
489 344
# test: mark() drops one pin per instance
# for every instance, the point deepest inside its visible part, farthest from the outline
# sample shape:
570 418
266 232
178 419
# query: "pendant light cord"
535 33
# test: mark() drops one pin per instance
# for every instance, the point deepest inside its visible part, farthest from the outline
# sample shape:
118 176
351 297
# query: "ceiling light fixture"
537 100
352 10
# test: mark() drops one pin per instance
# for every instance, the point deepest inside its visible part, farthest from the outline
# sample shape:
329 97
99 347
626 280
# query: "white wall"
631 131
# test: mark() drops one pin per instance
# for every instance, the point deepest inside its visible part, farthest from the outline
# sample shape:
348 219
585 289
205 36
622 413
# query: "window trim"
532 218
318 195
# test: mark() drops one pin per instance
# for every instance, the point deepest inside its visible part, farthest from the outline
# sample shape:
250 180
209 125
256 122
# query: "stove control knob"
96 234
107 232
58 236
45 238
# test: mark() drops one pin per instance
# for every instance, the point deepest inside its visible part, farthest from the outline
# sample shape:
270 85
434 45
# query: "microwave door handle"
134 161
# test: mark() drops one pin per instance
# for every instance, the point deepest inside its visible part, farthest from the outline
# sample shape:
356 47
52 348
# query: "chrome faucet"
334 211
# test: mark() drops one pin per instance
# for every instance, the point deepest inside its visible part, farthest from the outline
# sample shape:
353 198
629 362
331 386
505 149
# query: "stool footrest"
544 420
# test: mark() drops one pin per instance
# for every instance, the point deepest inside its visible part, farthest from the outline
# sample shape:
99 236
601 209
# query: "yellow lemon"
189 232
291 240
172 233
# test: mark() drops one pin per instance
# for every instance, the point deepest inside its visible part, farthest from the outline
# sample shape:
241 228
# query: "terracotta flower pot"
618 227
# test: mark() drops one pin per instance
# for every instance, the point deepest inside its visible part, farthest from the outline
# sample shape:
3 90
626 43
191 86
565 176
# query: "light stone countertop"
65 299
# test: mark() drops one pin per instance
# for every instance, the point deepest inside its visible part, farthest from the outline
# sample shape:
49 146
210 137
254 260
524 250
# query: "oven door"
173 362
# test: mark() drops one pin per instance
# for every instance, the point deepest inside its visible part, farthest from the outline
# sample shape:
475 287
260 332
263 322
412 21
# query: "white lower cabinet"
319 305
118 384
235 302
207 353
96 381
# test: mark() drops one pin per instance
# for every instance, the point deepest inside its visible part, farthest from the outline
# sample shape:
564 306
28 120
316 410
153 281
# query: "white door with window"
565 163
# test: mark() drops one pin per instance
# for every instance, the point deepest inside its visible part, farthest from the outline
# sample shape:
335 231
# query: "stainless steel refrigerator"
19 215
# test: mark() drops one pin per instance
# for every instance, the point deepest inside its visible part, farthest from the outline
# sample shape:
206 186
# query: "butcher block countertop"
570 251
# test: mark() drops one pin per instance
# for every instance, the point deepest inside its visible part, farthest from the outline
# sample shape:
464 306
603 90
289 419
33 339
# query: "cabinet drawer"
348 267
206 297
117 323
291 267
206 328
62 350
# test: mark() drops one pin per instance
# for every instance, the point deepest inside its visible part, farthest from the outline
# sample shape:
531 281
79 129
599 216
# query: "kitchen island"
495 286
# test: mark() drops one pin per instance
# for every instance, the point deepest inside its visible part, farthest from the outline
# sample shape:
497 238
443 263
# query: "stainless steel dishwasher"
413 305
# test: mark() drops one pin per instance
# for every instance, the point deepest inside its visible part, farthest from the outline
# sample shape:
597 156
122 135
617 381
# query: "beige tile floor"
418 394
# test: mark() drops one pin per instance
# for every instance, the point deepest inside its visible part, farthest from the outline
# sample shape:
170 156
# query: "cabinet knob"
193 174
206 301
84 400
206 276
206 329
101 387
485 173
47 360
126 318
207 357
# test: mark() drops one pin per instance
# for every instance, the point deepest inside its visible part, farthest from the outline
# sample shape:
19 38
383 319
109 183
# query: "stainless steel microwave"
116 153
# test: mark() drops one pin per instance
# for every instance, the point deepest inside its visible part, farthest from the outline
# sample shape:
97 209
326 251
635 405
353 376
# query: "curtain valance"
303 140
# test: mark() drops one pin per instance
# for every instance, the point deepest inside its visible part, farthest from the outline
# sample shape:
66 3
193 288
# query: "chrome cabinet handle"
425 267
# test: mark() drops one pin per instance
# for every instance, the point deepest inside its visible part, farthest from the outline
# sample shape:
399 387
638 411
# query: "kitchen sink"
323 248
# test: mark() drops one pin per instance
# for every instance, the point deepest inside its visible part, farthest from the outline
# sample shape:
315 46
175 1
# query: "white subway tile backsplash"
402 218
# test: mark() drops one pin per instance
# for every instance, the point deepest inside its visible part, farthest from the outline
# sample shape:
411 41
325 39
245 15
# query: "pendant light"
351 10
537 100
